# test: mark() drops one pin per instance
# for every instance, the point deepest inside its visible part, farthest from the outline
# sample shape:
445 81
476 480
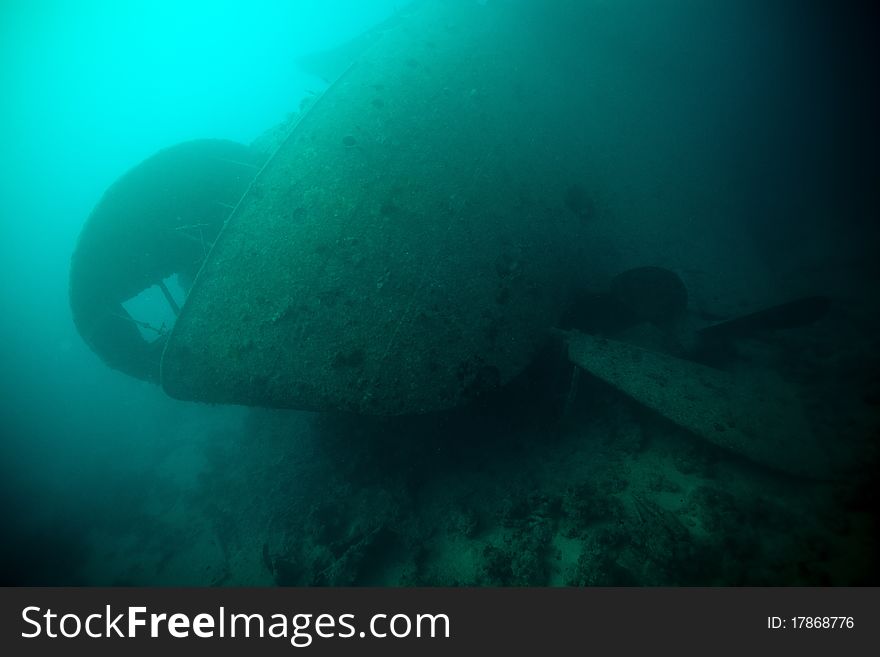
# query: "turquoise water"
728 142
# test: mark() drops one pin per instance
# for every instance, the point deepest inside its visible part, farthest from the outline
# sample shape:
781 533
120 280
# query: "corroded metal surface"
407 247
761 420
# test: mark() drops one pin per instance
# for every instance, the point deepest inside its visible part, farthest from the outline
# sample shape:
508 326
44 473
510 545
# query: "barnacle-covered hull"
408 245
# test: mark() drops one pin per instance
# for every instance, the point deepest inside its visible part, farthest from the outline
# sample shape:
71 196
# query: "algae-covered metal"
407 246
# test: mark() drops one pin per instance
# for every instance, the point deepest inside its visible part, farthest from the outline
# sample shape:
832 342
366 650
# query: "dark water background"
734 142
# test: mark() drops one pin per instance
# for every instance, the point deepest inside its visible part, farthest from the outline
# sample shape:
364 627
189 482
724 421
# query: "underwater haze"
690 185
